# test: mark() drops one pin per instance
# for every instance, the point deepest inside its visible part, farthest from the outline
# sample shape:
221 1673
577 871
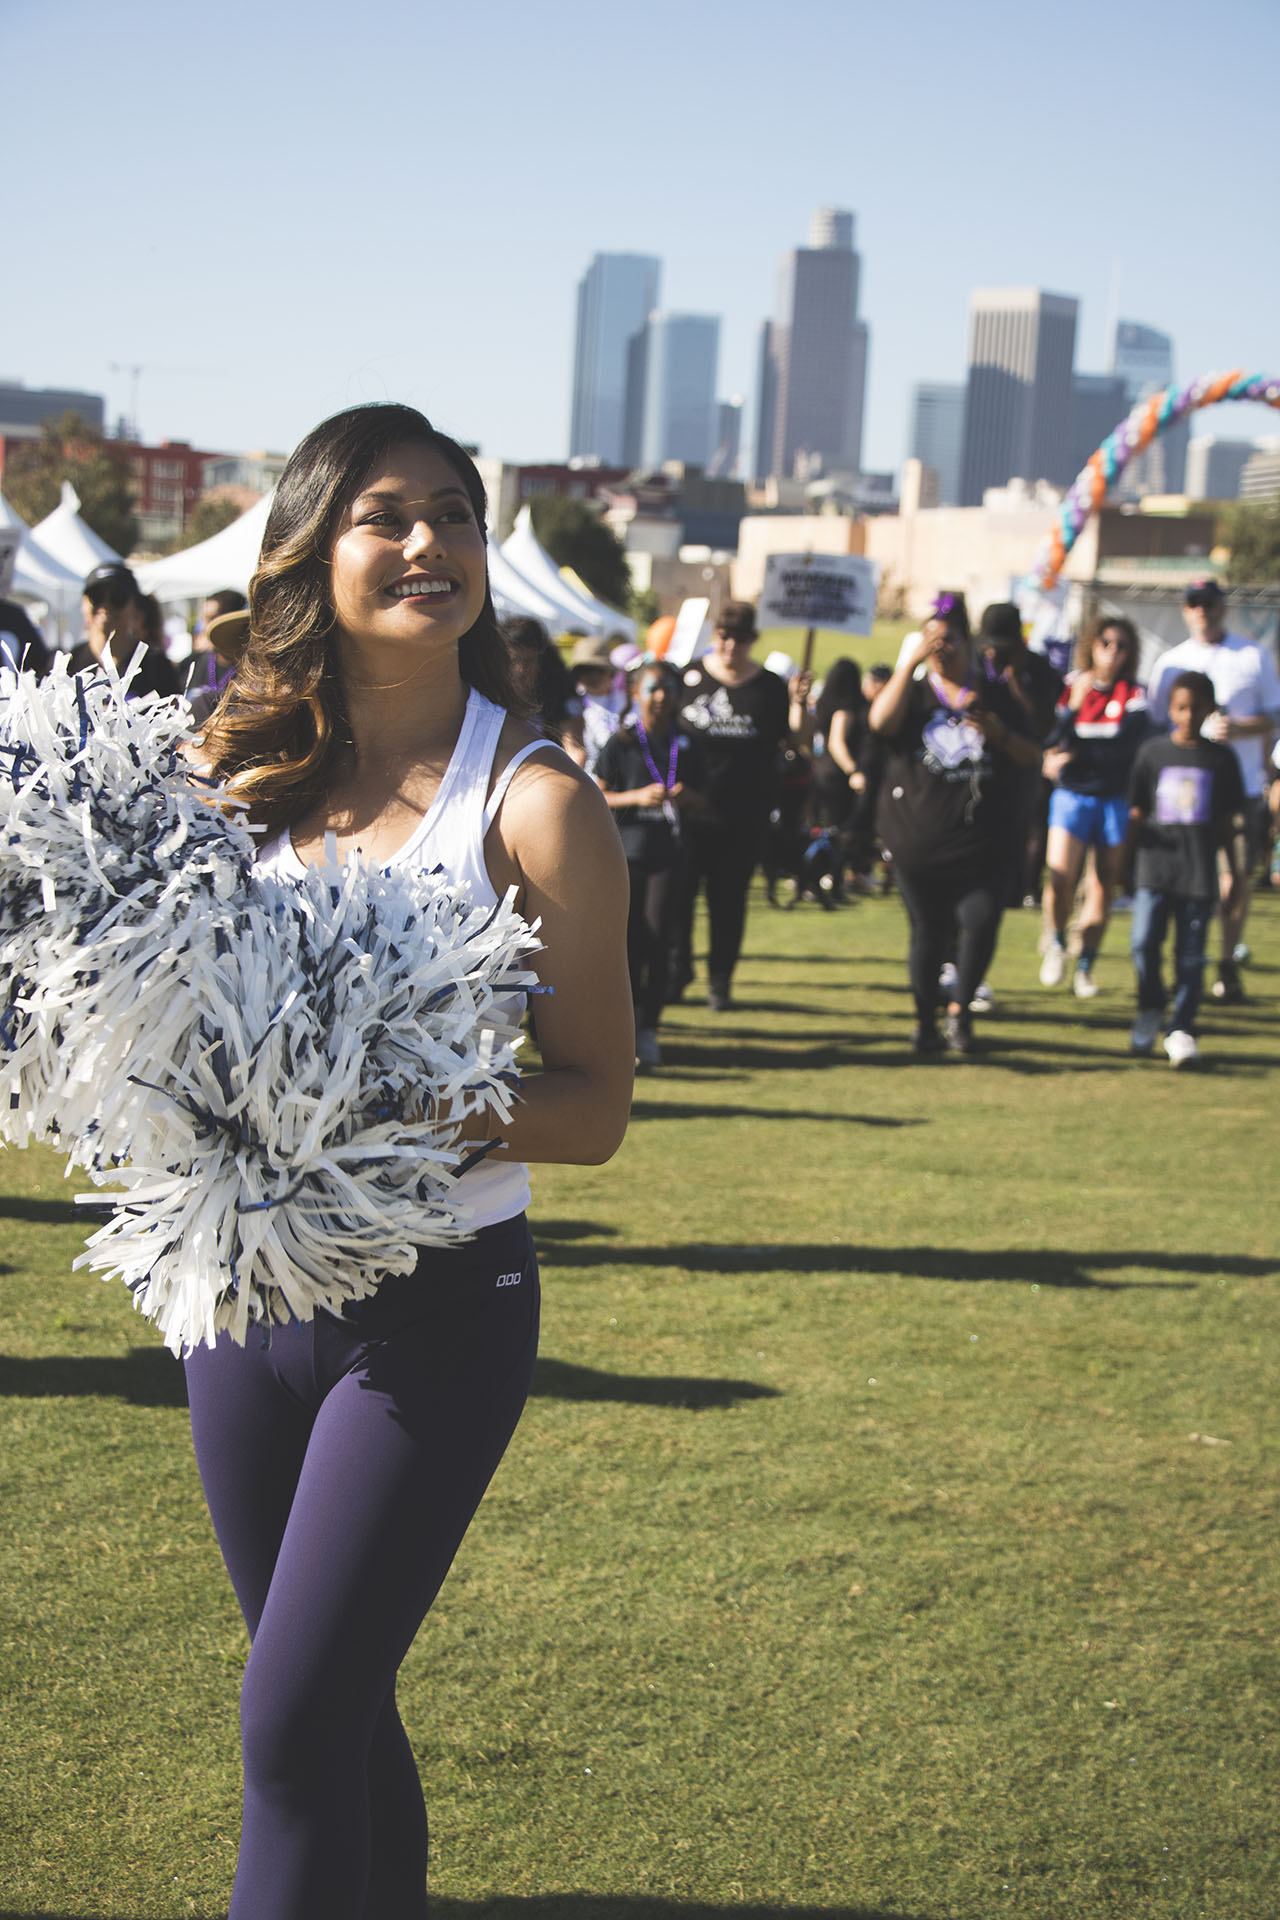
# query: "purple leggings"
342 1464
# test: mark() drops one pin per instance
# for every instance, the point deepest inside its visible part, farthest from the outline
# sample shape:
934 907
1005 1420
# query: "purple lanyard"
941 697
669 812
670 780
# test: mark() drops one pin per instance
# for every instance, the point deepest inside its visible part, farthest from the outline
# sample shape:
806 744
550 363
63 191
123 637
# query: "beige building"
976 551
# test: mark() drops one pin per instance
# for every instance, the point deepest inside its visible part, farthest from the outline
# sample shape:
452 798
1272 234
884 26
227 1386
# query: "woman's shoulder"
534 770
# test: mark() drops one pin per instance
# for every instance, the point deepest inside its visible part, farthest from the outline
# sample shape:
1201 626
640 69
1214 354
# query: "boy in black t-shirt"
1184 796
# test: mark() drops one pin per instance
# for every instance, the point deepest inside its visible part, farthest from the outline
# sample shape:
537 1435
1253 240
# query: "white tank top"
450 836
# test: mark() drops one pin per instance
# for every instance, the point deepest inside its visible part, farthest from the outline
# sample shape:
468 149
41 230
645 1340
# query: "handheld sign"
834 590
692 635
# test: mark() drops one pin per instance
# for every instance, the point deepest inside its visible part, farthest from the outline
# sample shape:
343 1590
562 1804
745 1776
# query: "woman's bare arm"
555 840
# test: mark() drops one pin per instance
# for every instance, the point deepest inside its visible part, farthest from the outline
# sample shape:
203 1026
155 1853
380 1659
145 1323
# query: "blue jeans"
1191 918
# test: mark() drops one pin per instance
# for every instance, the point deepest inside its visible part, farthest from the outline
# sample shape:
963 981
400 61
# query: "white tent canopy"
65 535
575 610
514 596
37 575
225 559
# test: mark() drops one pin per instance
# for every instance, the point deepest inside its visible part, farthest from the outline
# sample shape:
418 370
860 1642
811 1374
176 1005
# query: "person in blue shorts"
1100 723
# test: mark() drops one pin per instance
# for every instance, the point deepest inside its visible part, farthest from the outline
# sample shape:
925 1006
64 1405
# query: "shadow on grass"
633 1906
563 1906
49 1213
151 1377
642 1109
563 1380
731 1058
1039 1267
145 1377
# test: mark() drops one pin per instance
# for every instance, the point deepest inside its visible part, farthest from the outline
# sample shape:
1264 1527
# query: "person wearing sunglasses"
1101 722
115 623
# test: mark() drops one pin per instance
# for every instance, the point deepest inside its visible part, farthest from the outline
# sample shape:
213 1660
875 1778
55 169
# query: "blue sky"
278 211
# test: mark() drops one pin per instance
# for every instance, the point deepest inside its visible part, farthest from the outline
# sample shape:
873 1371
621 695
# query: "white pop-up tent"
37 575
66 536
225 559
514 597
576 611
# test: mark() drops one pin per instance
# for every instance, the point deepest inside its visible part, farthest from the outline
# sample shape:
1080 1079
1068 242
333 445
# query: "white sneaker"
1181 1048
648 1052
947 978
1240 954
983 999
1054 965
1146 1030
1083 984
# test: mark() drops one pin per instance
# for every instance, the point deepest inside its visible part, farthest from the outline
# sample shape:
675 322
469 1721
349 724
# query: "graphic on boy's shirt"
951 746
1184 797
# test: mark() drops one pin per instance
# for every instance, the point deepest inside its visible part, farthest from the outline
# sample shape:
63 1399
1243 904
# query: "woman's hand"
651 796
1054 763
928 643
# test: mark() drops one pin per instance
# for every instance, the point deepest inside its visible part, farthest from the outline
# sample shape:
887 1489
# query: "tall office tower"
728 438
936 434
766 402
679 417
1143 358
615 296
1216 467
1017 409
1099 402
813 365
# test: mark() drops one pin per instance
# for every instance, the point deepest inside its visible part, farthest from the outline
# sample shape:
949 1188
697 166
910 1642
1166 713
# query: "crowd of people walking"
969 776
974 777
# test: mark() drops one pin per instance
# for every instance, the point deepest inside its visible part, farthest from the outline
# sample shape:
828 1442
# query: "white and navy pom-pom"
274 1073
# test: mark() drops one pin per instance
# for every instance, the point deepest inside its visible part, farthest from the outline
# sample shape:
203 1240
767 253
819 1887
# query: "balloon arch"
1148 418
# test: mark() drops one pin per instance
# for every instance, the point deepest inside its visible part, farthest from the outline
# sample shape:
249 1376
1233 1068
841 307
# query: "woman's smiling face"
408 561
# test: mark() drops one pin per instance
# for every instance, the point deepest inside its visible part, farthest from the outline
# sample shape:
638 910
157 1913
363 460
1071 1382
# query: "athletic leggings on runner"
342 1462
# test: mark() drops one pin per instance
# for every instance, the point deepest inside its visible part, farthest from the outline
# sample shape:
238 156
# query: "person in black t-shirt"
114 623
956 743
1037 687
742 714
1185 795
651 773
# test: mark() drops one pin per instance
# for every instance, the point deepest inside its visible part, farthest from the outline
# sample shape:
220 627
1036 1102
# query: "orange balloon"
659 635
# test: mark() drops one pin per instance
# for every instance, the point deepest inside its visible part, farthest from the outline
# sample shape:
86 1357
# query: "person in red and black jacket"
1101 722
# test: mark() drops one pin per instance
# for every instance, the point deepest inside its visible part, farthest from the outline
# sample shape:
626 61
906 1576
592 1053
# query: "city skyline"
262 273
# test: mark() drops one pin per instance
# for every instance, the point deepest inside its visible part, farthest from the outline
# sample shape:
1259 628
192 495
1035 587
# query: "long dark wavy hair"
276 735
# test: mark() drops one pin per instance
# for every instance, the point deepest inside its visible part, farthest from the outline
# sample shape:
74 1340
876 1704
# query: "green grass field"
892 1531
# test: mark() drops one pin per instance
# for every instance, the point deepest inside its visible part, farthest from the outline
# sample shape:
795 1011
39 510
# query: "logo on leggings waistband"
510 1279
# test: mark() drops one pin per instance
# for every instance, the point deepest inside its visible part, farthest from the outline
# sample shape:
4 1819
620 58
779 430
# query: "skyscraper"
1017 413
936 434
728 437
813 363
615 297
679 413
1099 403
1143 358
1215 467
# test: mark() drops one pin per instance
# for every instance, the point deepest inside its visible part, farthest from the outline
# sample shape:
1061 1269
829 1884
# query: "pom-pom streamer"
274 1073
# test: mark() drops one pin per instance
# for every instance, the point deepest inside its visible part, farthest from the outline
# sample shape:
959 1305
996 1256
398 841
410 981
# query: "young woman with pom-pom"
344 1457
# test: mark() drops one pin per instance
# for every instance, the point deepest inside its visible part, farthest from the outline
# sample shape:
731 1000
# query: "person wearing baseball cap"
1246 686
113 623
